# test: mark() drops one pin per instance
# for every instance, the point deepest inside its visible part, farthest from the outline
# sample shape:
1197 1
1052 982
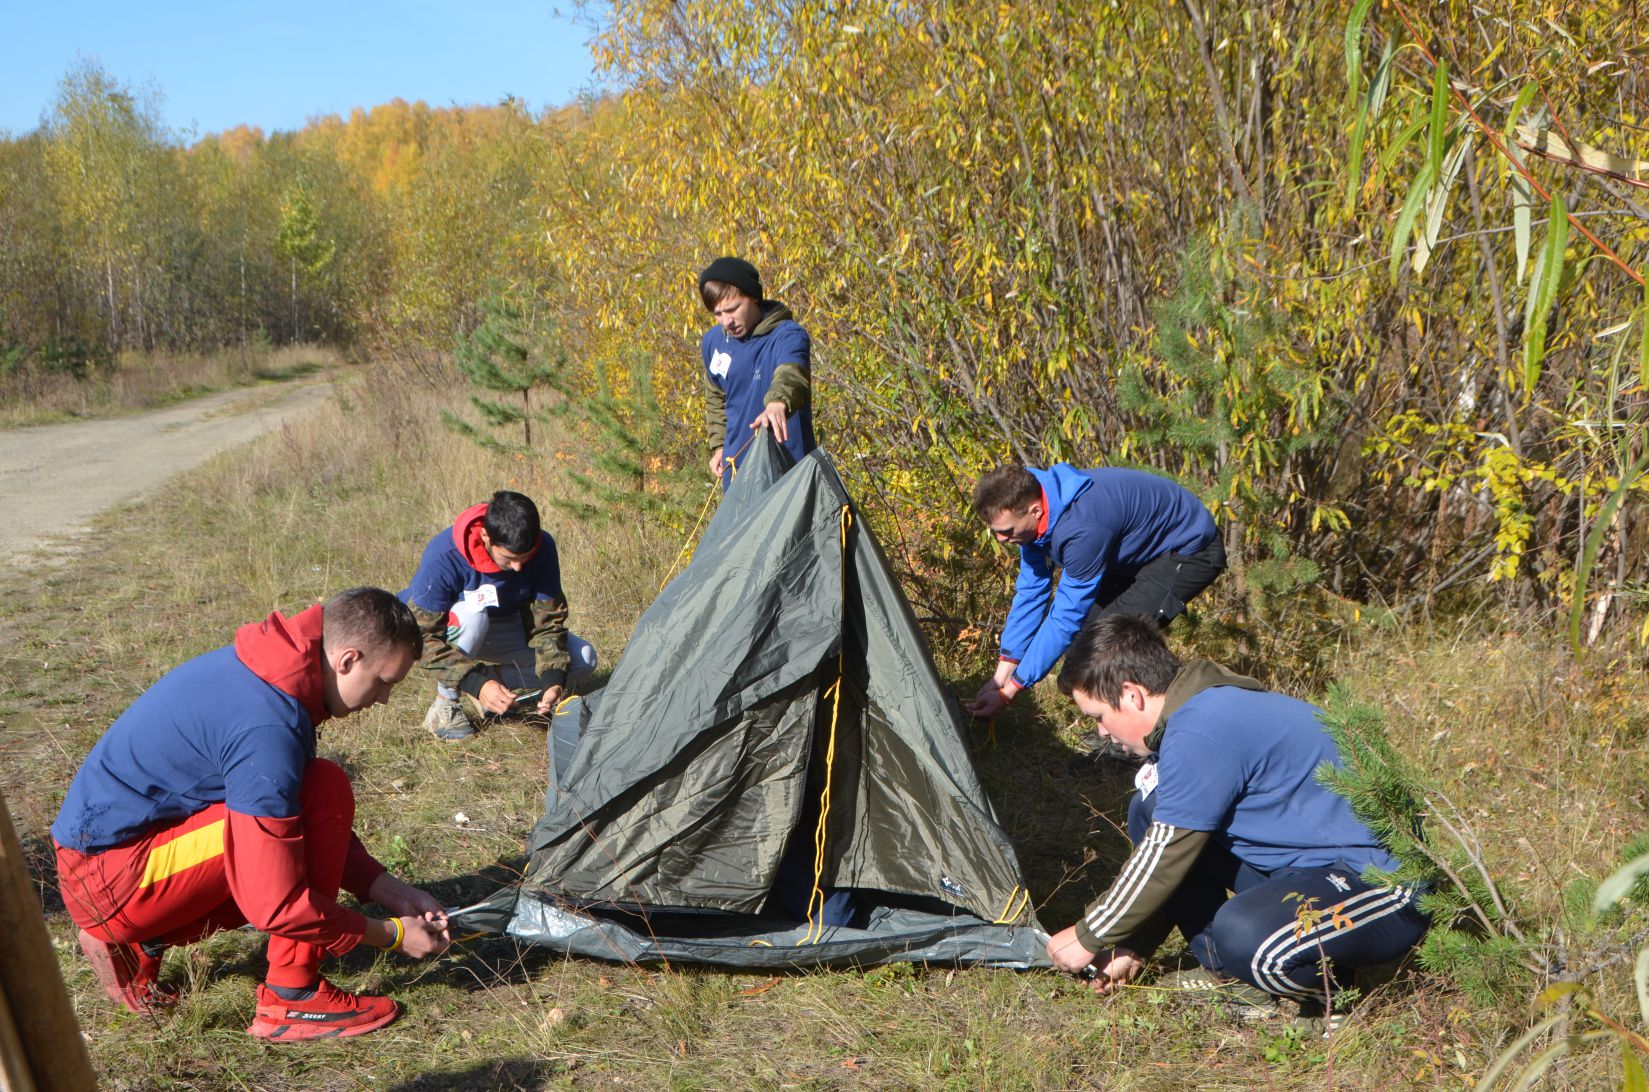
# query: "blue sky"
277 64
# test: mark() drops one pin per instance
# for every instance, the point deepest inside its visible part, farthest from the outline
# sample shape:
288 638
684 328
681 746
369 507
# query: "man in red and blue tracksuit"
1261 867
1124 542
758 367
487 596
204 807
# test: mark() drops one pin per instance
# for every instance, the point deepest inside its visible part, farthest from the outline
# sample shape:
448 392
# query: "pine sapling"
507 354
1476 937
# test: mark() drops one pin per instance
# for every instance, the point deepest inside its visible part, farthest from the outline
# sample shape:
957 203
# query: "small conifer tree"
505 355
1223 387
1476 937
630 451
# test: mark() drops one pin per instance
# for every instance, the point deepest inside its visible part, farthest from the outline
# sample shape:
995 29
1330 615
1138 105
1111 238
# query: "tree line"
1368 280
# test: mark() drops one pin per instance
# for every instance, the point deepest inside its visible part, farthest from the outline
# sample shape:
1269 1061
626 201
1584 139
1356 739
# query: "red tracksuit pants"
171 885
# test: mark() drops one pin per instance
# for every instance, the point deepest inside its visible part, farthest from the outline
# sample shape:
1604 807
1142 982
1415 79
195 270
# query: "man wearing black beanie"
757 367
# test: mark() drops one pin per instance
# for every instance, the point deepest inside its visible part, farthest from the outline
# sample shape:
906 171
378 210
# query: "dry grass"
1546 757
139 381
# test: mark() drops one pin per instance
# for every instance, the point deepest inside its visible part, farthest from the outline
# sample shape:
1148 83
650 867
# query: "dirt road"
55 478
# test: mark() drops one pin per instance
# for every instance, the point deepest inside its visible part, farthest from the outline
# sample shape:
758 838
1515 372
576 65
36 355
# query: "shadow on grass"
597 679
472 887
291 371
501 1073
490 962
41 858
1065 813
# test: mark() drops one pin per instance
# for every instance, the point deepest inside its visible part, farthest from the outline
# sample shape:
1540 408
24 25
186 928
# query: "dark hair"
714 292
511 522
372 620
1009 488
1117 649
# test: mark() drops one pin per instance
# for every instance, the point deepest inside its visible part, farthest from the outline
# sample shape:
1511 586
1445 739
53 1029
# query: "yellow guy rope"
1015 906
815 929
693 535
733 459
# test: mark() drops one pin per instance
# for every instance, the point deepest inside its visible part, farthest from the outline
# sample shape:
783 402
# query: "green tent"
776 724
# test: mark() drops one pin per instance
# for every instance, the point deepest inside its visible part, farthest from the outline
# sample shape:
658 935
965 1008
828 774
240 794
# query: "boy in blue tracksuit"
758 364
1228 801
1125 542
487 596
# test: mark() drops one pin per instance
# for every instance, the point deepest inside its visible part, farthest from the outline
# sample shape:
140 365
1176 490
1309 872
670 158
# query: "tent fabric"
893 936
759 466
780 678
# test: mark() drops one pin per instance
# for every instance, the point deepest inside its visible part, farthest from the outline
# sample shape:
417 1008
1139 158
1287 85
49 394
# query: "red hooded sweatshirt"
265 856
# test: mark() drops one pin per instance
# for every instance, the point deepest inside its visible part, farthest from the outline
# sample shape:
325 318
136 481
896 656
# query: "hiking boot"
1314 1021
128 974
329 1013
1249 1004
446 720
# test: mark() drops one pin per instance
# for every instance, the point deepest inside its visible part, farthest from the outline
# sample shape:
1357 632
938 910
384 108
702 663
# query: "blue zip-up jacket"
743 368
1099 522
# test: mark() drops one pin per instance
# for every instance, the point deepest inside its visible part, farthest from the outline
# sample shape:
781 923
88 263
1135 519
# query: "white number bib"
1146 779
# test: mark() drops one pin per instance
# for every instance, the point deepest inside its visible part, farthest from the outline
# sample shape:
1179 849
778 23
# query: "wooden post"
39 1038
15 1075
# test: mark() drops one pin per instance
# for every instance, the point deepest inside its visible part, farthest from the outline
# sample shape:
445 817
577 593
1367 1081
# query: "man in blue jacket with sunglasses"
1124 542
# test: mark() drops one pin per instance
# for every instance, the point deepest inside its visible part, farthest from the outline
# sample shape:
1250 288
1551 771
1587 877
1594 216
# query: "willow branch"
1493 138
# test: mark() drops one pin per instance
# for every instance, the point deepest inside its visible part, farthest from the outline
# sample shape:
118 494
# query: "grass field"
1544 756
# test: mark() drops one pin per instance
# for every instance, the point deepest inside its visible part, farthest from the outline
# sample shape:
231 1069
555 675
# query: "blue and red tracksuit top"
234 726
1097 522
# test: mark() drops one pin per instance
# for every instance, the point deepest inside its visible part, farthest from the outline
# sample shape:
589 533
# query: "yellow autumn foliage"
1266 249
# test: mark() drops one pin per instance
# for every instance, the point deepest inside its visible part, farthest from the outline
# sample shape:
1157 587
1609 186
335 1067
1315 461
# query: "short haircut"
714 292
512 522
1117 649
1009 488
370 619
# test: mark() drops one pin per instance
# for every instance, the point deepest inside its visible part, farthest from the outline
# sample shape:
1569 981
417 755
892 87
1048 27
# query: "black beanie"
736 272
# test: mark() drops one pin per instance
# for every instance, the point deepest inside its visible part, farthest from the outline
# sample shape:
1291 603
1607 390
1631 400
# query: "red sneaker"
330 1013
127 975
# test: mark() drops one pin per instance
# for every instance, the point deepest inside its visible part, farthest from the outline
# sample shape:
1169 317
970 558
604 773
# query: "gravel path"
55 478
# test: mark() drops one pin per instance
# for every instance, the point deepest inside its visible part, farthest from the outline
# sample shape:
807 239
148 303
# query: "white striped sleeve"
1158 865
